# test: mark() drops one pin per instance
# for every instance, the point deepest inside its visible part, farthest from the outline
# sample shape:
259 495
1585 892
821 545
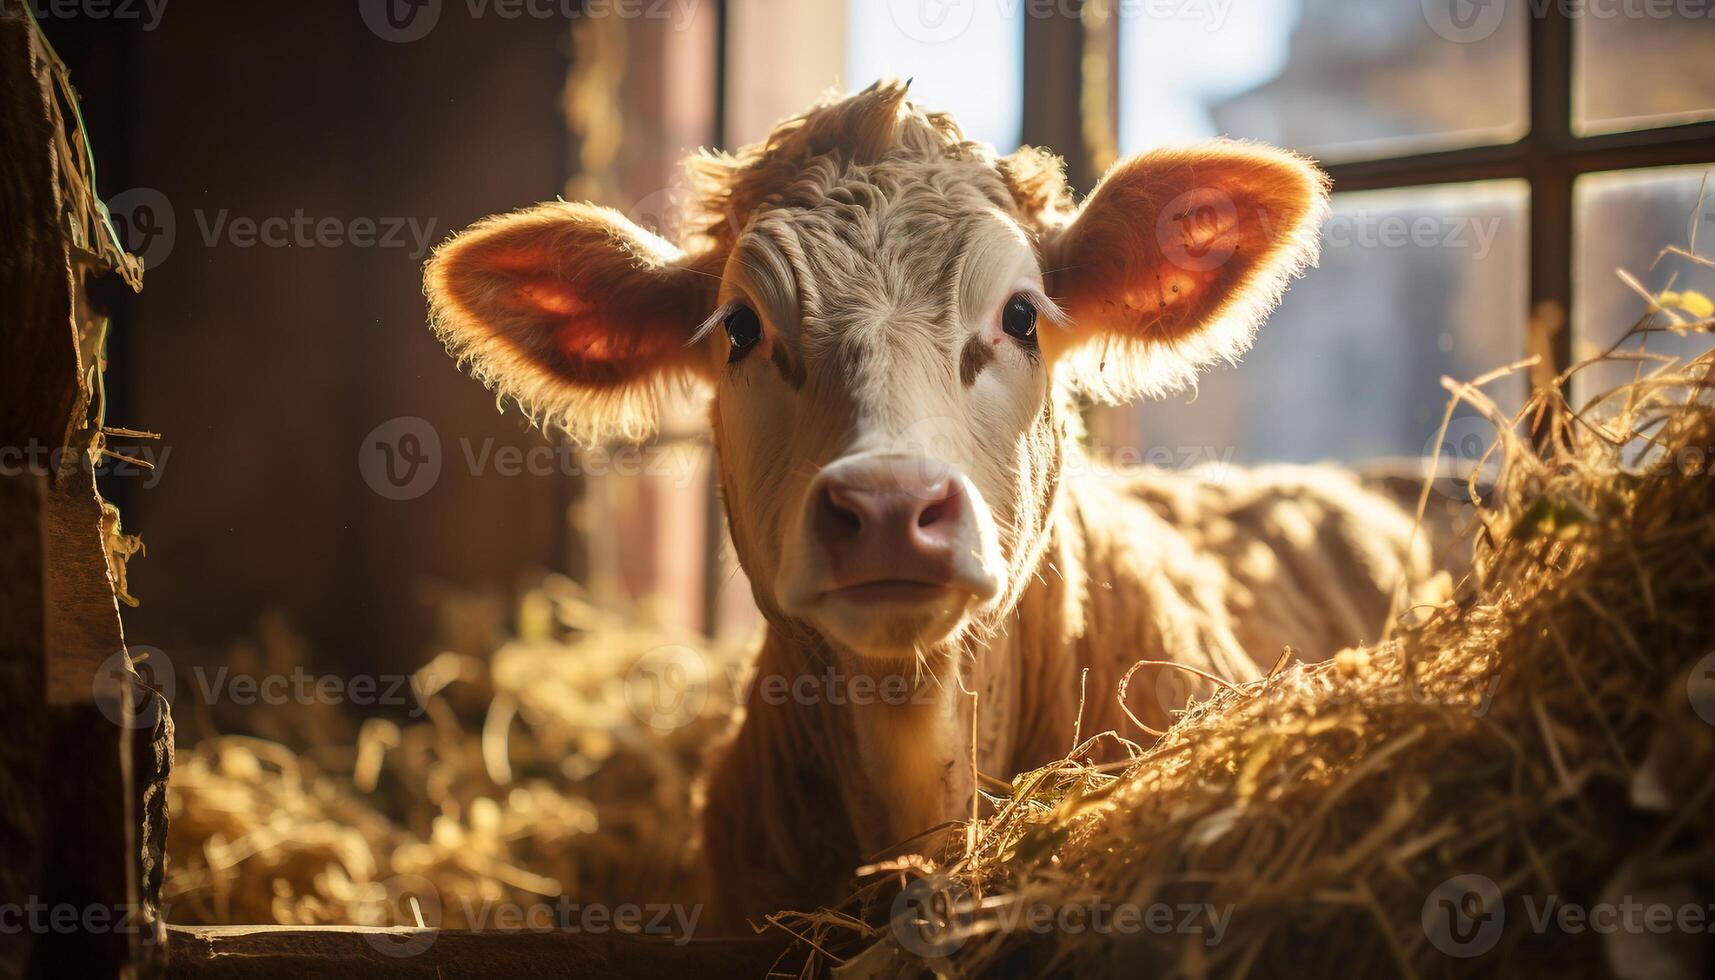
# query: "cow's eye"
1018 319
743 330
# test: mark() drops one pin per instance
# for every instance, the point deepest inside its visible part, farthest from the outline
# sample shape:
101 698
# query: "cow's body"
860 295
1217 570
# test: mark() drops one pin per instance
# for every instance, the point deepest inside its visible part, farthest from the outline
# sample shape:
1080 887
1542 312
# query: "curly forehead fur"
874 142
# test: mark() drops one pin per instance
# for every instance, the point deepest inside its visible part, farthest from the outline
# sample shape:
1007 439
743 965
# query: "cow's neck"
905 764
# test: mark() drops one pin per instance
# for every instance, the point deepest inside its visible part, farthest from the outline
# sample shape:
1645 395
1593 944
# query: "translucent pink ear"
573 310
1177 257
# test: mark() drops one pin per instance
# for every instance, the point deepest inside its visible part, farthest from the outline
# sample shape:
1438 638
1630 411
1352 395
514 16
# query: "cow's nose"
894 523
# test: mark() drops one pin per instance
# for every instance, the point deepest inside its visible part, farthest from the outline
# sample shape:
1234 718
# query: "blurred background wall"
270 367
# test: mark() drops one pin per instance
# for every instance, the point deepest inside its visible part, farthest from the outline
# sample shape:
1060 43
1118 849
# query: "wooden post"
86 756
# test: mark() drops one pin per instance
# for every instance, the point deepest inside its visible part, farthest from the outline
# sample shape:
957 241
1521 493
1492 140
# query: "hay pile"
543 770
1546 732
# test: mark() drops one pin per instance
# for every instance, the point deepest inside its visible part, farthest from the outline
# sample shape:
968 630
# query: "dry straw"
543 770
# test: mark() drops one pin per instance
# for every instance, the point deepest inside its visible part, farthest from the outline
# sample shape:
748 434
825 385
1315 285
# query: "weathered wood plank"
73 784
246 952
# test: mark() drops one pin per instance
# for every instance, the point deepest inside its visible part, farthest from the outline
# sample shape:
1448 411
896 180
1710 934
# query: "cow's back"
1313 556
1216 569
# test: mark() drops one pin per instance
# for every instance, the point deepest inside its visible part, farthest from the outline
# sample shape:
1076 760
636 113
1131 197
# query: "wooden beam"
72 784
251 952
1053 89
1552 172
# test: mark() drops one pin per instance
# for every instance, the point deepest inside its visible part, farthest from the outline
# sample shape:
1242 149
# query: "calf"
891 322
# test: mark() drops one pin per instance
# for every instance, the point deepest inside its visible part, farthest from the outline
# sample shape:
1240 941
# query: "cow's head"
884 314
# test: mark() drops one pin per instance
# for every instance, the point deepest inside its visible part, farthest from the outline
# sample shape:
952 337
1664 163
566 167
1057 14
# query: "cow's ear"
1175 259
579 314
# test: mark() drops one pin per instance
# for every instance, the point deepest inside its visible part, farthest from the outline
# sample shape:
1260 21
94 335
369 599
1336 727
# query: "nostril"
944 505
840 515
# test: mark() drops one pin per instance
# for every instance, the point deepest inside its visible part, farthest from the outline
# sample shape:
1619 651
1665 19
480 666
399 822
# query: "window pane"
1413 284
1340 79
1624 220
963 56
782 55
1643 63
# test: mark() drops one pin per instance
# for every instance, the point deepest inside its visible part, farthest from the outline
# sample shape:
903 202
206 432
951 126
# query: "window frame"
1548 158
